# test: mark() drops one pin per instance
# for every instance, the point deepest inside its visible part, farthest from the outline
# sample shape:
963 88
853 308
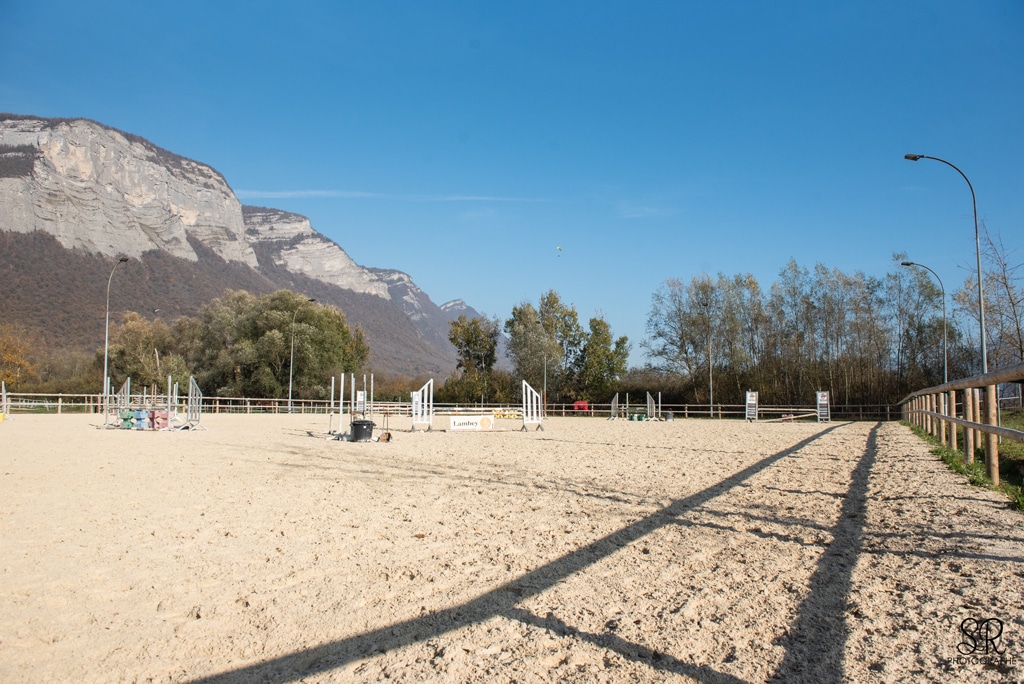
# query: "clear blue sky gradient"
464 142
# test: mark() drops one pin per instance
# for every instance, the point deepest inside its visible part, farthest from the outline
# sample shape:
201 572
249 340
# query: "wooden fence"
935 410
93 403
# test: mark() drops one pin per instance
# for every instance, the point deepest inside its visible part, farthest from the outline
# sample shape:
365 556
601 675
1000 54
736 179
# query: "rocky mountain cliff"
79 194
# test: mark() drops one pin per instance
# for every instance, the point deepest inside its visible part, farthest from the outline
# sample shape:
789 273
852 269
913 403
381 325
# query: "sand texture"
593 551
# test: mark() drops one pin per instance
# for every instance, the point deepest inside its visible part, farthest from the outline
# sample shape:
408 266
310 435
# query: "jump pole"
352 403
341 401
330 410
790 419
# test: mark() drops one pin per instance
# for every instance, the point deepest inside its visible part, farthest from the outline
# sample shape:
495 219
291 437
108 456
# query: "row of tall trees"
867 340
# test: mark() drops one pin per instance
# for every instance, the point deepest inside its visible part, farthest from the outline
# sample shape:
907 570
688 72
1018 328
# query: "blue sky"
464 142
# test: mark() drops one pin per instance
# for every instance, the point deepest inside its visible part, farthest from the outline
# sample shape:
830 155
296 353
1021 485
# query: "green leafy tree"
142 350
241 345
549 348
535 353
602 362
476 343
561 323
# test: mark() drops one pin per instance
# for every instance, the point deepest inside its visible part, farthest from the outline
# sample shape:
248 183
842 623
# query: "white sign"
474 423
360 401
751 405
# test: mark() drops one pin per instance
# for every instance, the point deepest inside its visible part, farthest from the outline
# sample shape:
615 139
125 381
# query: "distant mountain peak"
455 305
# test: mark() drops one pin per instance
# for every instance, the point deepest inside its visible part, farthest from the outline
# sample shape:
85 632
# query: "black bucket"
362 430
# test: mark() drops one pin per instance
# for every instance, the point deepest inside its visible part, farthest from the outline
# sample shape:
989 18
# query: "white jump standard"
533 411
423 406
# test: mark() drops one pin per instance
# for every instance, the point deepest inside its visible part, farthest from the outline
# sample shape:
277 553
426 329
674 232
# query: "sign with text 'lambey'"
474 423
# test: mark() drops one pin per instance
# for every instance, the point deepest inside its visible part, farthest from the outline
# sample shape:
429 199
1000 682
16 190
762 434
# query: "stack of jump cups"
141 420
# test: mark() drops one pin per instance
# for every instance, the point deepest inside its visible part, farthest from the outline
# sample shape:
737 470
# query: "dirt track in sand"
712 551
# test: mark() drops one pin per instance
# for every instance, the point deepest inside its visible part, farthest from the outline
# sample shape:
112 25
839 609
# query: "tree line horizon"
867 340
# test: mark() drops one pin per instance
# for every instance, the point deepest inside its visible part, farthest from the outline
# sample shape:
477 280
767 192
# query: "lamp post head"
123 260
907 263
913 157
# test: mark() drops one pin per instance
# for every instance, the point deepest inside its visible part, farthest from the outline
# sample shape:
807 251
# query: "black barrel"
362 430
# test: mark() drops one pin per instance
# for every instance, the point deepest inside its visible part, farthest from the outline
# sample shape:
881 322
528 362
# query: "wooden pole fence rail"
934 410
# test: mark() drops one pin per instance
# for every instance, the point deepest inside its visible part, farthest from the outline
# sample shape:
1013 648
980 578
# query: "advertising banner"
474 423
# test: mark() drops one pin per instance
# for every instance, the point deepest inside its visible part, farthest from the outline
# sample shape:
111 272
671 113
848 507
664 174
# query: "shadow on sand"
814 646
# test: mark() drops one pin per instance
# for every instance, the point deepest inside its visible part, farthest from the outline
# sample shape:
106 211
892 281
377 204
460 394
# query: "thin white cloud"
356 194
631 211
287 194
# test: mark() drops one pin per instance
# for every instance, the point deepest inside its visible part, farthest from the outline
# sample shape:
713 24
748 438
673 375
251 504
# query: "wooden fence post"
940 400
969 432
991 440
952 425
931 420
978 434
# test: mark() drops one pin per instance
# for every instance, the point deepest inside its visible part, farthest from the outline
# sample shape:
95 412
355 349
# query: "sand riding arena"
258 550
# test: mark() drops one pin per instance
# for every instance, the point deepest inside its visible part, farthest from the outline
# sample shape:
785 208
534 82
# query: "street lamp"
106 343
291 362
945 339
711 384
977 245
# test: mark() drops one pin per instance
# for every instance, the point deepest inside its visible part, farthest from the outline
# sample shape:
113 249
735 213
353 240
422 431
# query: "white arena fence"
24 402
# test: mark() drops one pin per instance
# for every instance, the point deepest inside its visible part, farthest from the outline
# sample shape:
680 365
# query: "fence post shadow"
816 643
502 600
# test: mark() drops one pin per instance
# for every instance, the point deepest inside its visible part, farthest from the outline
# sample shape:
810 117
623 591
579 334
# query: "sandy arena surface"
594 551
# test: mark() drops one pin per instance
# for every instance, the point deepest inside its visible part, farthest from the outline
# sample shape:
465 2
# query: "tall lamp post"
945 339
711 383
291 361
106 343
977 245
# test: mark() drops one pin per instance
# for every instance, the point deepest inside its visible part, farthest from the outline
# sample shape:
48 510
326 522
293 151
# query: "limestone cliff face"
99 190
414 301
105 192
298 248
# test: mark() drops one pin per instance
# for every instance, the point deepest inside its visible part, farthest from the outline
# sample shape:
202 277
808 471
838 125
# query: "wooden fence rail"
934 409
